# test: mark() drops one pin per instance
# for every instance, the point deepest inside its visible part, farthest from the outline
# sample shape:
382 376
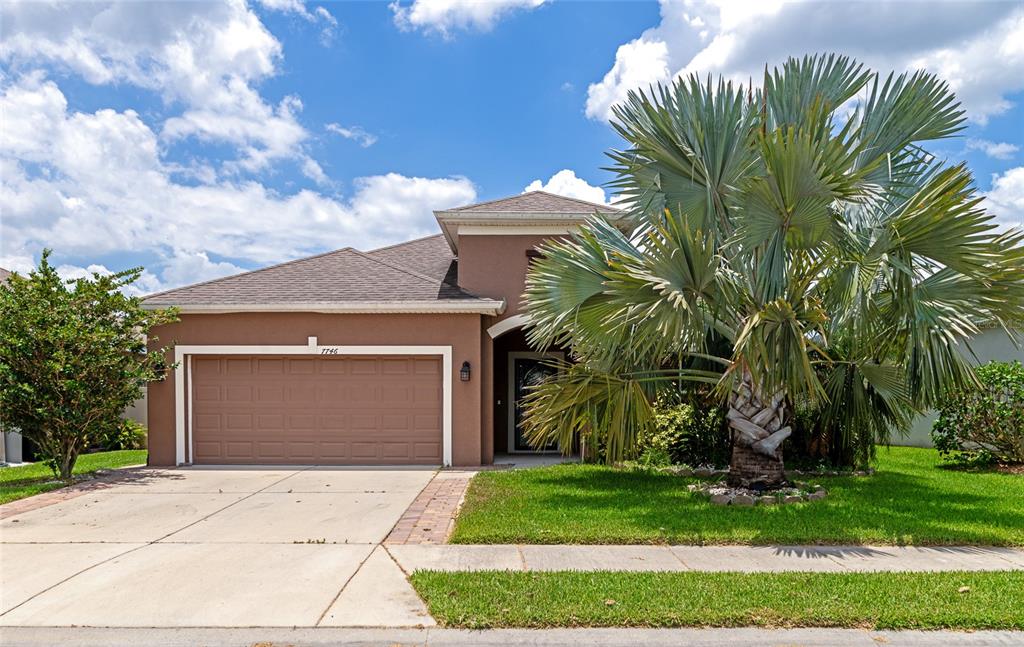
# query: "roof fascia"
491 307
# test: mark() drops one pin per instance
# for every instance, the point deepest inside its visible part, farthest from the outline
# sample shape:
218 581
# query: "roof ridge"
247 272
414 273
408 242
580 200
541 191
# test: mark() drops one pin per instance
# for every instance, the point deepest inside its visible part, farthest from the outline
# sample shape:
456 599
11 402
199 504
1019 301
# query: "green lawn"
865 600
910 500
27 480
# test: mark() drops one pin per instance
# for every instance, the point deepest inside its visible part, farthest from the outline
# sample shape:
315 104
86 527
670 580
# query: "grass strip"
911 500
946 600
24 481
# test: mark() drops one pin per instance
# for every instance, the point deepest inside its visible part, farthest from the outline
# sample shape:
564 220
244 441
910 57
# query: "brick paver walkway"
431 517
116 477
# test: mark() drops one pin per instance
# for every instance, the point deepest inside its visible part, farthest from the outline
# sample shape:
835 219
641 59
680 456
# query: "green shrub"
985 424
684 434
129 434
818 446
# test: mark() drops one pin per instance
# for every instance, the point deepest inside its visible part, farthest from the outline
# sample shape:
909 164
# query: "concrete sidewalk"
705 558
343 637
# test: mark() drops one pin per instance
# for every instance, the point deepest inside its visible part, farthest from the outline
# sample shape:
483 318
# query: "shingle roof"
430 256
537 202
345 276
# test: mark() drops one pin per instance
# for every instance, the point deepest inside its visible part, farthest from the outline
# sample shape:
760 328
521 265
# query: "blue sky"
200 139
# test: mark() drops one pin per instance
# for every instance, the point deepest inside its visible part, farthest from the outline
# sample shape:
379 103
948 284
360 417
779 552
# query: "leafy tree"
790 244
73 356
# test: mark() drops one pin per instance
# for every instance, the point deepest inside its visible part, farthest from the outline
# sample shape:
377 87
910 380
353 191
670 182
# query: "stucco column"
486 398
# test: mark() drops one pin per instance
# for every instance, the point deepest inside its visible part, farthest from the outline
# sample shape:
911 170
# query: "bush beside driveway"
21 481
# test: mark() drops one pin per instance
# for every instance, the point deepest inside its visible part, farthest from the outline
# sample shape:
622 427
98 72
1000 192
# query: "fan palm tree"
789 244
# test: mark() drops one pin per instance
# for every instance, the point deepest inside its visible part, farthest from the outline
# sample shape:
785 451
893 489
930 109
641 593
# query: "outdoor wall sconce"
464 372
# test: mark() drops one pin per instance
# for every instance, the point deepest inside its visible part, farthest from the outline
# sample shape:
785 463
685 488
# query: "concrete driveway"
215 547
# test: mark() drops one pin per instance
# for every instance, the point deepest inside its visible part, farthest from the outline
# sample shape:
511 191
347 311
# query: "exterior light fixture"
464 372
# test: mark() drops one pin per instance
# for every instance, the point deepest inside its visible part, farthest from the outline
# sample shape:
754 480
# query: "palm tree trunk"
757 434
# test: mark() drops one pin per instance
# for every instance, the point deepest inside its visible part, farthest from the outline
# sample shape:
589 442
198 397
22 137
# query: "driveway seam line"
841 565
407 574
522 558
144 544
686 567
73 575
233 503
345 584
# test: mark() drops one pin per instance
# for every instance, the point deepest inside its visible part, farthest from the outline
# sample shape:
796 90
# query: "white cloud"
312 170
566 183
1006 199
638 64
93 184
145 284
287 6
978 47
995 150
355 133
447 16
330 26
193 267
298 7
205 57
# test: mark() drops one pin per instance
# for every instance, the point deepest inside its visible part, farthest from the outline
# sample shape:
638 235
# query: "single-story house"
408 354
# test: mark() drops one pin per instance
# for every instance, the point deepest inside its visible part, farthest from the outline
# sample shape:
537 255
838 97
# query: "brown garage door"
368 410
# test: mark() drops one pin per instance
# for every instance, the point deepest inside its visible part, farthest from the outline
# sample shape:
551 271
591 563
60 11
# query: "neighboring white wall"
139 411
990 345
12 446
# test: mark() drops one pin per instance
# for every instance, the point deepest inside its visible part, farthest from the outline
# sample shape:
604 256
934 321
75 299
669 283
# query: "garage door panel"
207 449
303 422
364 450
394 394
427 423
426 367
363 366
238 366
323 410
395 366
207 393
301 366
334 450
305 393
238 393
392 422
427 451
270 366
238 449
269 394
238 421
272 422
333 421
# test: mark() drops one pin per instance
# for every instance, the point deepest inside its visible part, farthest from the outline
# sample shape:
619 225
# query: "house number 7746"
328 350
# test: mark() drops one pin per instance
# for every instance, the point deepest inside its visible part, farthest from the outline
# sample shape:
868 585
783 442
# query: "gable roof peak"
535 202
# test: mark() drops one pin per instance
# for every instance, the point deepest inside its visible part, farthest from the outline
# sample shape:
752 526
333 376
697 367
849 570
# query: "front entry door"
528 369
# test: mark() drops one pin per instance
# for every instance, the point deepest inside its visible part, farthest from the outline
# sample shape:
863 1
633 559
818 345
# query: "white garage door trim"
183 372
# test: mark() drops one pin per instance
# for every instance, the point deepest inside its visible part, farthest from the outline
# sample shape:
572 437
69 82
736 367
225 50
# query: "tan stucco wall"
495 266
460 331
